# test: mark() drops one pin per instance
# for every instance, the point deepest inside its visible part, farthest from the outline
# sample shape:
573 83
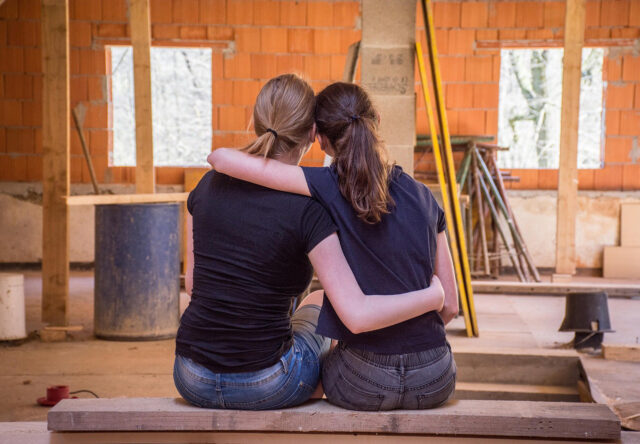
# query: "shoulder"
322 182
399 177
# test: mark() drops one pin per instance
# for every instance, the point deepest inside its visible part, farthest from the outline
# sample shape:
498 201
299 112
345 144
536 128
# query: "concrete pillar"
387 65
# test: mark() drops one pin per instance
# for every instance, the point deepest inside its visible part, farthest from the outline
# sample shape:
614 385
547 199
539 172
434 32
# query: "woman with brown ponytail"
392 233
251 253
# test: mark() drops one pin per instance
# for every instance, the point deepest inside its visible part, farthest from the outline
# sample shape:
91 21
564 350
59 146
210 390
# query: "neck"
293 157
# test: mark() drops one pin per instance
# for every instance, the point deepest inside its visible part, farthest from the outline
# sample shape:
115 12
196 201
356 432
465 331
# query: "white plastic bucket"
12 316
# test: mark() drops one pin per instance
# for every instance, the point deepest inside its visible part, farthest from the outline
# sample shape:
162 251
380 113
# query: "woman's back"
250 246
395 255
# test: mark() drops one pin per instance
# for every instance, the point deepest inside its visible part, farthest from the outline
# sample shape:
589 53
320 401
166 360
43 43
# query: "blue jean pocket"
190 389
438 396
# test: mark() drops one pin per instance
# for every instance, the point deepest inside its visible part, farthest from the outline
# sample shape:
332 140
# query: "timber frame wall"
311 37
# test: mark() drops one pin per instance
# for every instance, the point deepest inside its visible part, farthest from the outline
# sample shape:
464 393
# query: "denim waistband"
417 359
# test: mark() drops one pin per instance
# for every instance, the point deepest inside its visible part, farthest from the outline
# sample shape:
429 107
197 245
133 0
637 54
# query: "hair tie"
354 117
272 131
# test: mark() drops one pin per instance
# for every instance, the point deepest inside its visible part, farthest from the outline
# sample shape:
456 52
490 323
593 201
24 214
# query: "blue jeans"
361 380
287 383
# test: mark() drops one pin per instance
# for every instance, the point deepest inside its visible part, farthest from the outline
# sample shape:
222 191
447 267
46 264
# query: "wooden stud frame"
141 42
568 170
55 163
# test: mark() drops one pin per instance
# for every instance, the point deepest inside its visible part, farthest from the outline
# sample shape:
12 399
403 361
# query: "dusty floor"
135 369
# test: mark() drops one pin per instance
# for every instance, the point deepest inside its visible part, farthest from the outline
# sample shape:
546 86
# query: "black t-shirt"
250 251
393 256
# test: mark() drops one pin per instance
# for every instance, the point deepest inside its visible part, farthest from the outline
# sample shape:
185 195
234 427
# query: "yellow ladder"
446 172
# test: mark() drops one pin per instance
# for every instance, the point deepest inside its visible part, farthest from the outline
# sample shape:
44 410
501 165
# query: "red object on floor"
55 394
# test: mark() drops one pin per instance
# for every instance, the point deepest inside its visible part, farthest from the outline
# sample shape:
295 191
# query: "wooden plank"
141 43
551 43
615 384
528 367
515 392
568 170
37 433
550 288
55 161
113 199
616 352
470 417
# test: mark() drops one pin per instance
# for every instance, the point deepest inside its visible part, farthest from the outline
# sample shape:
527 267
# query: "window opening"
530 104
181 101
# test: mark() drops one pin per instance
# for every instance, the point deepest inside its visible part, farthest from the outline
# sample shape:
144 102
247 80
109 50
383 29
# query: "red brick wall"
310 37
471 76
271 37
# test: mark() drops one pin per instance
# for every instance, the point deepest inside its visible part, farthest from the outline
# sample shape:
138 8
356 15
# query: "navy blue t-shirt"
394 256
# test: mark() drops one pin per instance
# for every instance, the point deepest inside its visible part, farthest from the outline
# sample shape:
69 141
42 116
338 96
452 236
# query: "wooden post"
55 161
141 42
568 171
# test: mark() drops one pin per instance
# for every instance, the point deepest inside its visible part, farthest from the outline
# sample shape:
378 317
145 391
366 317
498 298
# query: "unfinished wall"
469 34
254 40
21 222
597 223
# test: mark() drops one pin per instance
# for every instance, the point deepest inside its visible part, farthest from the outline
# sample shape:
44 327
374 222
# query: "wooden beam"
55 161
551 43
568 171
141 42
516 392
467 417
617 352
36 433
114 199
554 288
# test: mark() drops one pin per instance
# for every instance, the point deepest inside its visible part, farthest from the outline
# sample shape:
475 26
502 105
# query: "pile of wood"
490 218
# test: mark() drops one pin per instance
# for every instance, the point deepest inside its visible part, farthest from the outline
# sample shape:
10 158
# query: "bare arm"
359 312
266 172
444 270
188 278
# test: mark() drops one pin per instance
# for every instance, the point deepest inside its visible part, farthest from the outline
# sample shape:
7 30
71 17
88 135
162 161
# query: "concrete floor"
137 369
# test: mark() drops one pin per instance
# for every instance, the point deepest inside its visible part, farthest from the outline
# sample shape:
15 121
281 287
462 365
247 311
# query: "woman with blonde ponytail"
393 236
252 251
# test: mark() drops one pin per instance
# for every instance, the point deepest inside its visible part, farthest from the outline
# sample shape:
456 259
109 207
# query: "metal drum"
137 271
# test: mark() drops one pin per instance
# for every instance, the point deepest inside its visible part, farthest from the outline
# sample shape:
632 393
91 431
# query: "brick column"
387 51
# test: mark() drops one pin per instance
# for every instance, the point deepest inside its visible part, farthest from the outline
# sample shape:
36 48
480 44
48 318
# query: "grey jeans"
361 380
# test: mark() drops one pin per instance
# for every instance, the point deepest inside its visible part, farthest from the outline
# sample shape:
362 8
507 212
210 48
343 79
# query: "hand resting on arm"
444 270
360 312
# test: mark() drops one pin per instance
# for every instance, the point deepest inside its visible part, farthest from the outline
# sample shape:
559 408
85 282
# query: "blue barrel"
137 271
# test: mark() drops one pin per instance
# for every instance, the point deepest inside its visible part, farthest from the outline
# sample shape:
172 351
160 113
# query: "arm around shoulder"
262 171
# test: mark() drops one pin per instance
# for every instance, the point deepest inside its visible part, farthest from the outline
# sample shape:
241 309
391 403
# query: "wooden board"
55 161
516 366
568 170
615 384
499 418
516 392
547 288
141 43
616 352
629 223
37 433
114 199
621 262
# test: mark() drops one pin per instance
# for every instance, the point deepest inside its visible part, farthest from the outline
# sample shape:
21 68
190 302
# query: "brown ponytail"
346 117
282 116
